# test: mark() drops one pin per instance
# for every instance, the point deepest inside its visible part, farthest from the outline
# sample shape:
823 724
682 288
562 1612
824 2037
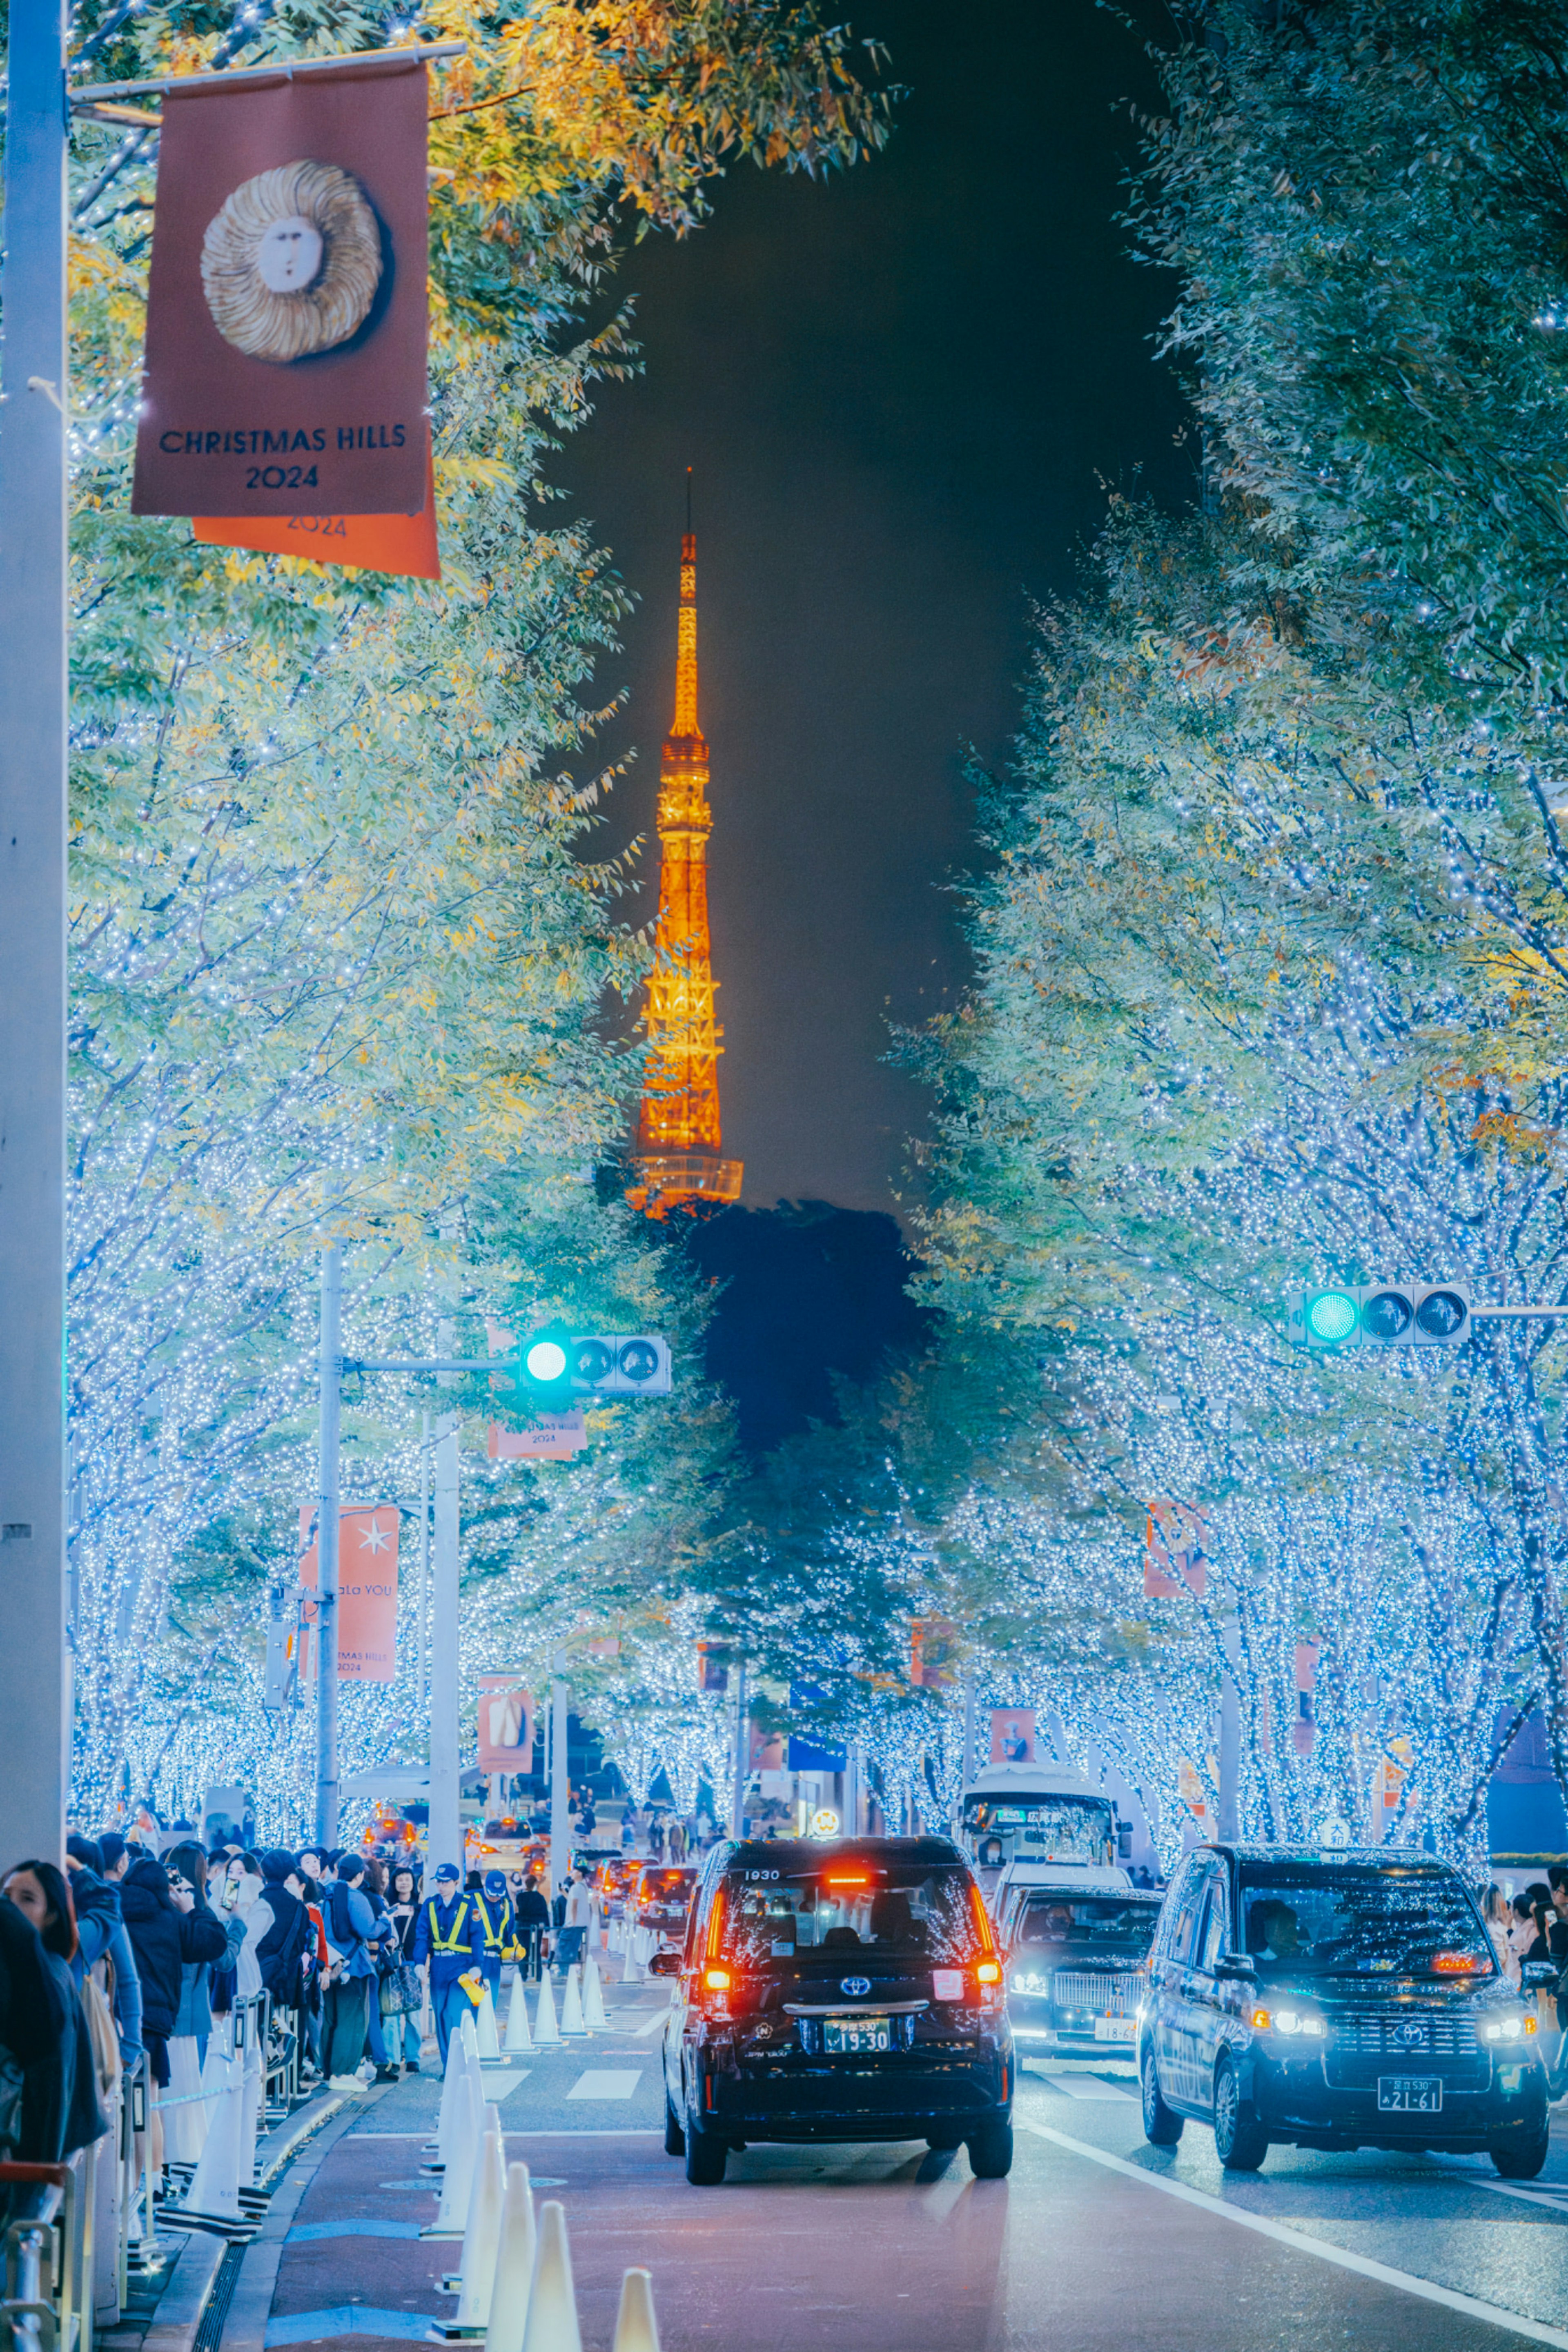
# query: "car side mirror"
1238 1966
664 1964
1537 1975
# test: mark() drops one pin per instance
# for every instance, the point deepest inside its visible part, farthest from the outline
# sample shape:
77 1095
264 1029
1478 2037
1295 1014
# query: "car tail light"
716 1979
988 1972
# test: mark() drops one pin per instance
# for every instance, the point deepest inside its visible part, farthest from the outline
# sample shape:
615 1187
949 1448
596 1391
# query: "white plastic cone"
469 2032
458 2179
215 2184
553 2303
481 2238
514 2265
452 2094
215 2077
485 2027
518 2036
572 2021
544 2026
637 2329
631 1966
593 2016
250 2111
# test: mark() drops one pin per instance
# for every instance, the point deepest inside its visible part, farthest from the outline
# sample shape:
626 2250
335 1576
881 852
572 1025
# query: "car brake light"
988 1972
716 1979
863 1880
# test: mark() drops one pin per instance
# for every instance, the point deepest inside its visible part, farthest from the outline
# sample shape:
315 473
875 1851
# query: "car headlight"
1510 2026
1028 1982
1291 2021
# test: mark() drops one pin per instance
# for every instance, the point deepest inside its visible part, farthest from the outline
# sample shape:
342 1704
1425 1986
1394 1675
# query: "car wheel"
674 2137
1240 2141
1522 2158
991 2149
706 2156
1162 2124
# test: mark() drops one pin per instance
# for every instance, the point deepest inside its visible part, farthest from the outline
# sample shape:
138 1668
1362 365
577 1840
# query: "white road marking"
1554 2203
650 2025
618 2083
1086 2087
1427 2289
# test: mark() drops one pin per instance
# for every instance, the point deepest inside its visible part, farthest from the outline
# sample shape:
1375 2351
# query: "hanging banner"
933 1654
1013 1735
402 545
506 1725
367 1591
553 1437
285 367
1174 1562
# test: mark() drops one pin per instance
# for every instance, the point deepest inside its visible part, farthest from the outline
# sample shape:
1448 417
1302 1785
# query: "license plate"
1409 2095
1116 2028
842 2037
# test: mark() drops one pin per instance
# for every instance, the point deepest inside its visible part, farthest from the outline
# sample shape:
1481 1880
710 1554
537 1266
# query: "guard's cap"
447 1875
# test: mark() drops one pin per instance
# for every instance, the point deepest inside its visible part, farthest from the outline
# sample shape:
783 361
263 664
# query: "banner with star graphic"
367 1591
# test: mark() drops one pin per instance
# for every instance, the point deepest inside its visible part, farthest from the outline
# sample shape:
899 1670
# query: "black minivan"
1332 1998
843 1990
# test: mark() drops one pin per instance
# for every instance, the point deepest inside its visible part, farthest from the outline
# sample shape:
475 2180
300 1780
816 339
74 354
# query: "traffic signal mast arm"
1396 1315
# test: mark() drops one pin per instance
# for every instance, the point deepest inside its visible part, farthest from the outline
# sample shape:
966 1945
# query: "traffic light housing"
1379 1315
556 1368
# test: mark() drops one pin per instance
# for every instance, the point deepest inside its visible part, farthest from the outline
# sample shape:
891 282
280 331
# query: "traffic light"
557 1368
1379 1315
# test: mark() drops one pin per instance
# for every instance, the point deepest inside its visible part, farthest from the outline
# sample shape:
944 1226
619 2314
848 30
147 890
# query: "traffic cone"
485 2027
470 2037
215 2184
514 2265
553 2303
458 2180
544 2026
572 2022
454 2096
253 2090
631 1966
518 2036
593 2016
637 2329
481 2238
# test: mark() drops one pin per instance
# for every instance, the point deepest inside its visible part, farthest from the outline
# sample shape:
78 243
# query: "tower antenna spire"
679 1145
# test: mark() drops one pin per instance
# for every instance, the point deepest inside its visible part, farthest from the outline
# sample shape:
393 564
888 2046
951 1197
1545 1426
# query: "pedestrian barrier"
45 2260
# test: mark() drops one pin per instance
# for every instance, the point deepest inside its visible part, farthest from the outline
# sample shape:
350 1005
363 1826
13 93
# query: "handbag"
401 1992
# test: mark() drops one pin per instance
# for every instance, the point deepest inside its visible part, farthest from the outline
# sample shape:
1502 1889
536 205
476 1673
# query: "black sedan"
842 1991
1338 1999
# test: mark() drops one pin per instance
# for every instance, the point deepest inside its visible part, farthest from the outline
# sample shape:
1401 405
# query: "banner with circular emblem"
287 317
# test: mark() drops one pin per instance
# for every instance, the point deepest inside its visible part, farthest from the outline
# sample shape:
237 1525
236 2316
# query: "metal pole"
446 1841
738 1798
332 1379
33 1717
560 1786
422 1656
968 1726
1229 1822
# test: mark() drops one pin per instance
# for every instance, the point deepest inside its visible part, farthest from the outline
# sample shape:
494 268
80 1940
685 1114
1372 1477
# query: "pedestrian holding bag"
401 1992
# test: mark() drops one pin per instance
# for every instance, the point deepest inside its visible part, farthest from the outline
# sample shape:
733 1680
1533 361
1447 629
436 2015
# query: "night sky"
903 391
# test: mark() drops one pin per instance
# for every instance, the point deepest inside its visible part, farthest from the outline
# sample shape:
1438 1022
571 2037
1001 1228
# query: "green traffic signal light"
545 1361
1331 1316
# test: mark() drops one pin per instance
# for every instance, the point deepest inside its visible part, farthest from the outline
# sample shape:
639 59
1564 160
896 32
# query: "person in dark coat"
39 1890
101 1934
165 1933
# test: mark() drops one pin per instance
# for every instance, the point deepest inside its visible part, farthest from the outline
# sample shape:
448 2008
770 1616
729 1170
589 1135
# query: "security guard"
494 1907
450 1935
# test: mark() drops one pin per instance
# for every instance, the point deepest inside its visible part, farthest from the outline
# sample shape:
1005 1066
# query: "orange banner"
367 1591
404 545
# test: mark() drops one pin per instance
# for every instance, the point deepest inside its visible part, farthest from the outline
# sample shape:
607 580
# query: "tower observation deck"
679 1145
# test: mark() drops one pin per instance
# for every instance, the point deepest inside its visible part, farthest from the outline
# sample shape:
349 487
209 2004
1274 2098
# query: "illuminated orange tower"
679 1156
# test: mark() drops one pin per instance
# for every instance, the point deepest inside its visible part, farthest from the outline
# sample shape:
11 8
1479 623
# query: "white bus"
1038 1813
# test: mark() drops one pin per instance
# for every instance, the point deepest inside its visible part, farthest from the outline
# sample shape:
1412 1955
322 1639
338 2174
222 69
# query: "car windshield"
1099 1921
663 1884
904 1913
1370 1922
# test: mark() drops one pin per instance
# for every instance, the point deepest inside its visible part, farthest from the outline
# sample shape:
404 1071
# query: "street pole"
422 1666
738 1798
560 1786
446 1835
327 1526
33 1725
1229 1822
968 1727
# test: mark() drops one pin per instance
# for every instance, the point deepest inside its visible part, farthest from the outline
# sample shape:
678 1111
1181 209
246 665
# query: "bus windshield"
1040 1829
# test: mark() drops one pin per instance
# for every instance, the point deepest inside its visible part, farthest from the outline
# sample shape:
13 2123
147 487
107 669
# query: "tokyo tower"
679 1159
